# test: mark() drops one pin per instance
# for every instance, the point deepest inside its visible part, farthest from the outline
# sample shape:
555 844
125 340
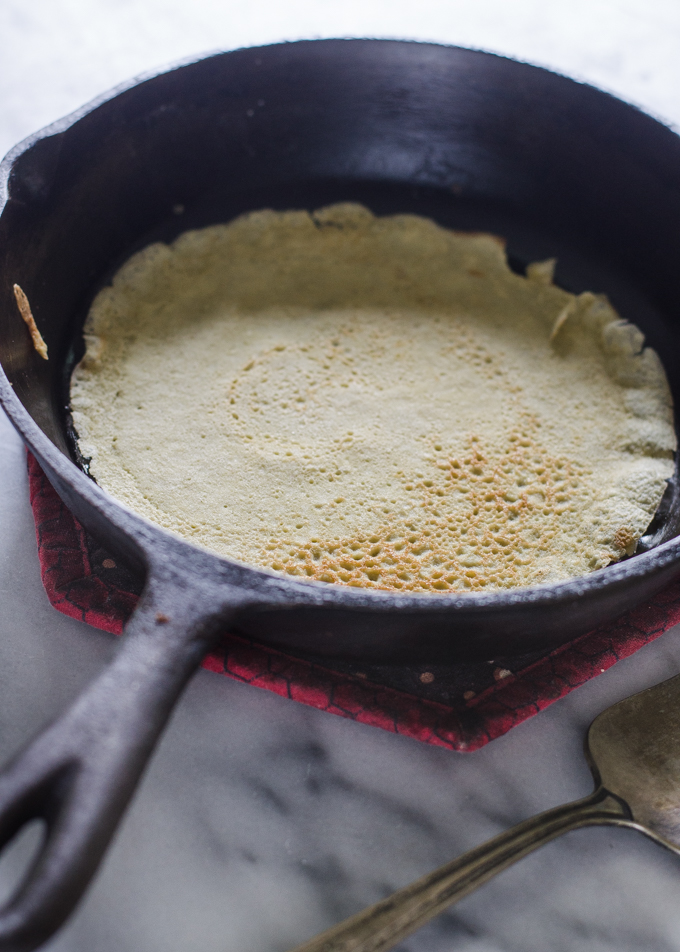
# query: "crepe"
372 401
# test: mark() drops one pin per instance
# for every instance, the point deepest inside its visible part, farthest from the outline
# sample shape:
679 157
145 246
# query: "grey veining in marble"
261 822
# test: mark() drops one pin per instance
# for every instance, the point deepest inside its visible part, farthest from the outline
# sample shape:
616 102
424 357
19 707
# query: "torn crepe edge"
25 311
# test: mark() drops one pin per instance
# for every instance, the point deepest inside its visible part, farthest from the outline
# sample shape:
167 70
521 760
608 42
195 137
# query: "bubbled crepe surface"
372 401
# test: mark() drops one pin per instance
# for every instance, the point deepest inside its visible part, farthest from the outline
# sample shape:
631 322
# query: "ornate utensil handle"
381 926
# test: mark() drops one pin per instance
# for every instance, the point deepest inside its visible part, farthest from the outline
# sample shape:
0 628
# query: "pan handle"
80 773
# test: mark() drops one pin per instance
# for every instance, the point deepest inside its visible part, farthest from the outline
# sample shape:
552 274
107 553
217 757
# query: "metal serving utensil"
633 749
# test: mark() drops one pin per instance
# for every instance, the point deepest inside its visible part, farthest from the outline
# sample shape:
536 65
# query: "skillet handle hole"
19 855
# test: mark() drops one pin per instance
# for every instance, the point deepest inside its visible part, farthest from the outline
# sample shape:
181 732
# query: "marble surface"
260 821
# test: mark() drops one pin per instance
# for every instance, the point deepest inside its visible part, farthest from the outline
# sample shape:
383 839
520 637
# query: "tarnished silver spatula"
633 749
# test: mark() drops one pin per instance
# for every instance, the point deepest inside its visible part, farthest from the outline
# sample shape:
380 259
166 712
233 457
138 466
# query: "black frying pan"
472 140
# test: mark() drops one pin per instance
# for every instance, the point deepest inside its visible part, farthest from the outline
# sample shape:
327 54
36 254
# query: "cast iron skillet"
473 140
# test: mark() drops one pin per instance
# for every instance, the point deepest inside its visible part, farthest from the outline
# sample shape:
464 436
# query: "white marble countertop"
260 821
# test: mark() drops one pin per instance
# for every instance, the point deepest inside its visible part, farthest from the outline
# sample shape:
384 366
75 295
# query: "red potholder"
461 706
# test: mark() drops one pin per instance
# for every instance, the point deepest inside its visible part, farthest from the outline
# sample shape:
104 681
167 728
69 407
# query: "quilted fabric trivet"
461 706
